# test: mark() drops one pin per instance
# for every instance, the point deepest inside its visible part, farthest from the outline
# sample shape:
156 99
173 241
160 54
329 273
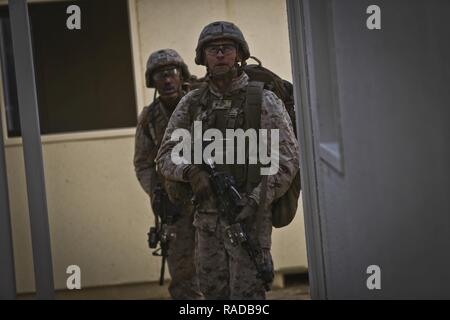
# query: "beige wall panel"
98 214
264 24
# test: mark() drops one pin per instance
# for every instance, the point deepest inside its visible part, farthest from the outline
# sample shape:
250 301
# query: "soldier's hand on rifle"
249 210
199 181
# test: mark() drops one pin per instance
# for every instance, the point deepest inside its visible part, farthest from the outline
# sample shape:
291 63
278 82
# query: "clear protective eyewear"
168 73
226 49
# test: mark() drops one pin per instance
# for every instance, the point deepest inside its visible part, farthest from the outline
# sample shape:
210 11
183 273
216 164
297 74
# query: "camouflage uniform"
152 123
225 271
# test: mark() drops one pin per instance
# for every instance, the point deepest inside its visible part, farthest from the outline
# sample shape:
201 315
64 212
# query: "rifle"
229 206
167 212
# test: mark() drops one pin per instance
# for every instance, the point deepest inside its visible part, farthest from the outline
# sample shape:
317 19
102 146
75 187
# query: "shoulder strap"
151 121
253 104
252 111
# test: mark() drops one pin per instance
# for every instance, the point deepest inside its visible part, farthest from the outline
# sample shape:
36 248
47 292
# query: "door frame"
303 75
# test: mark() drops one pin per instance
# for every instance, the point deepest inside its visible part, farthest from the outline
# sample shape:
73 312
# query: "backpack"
284 208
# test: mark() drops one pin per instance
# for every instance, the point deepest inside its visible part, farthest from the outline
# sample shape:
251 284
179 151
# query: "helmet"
161 58
220 30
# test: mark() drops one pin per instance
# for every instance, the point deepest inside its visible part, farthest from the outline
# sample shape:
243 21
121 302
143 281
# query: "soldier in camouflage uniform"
226 271
166 72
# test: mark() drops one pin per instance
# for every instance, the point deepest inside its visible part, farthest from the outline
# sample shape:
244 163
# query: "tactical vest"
156 122
154 127
244 112
233 111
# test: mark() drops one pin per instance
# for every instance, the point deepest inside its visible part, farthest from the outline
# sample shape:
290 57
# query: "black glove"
199 181
249 210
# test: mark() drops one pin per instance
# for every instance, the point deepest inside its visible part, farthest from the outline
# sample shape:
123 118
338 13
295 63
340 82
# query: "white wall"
263 23
98 215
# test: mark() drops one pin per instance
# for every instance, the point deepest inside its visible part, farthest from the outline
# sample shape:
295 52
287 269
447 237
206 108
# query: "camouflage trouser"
224 271
180 260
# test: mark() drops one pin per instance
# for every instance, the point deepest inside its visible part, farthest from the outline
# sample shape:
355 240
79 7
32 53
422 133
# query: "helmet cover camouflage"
220 30
161 58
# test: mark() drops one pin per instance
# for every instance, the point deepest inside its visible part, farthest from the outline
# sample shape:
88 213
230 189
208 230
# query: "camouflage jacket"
150 129
273 116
